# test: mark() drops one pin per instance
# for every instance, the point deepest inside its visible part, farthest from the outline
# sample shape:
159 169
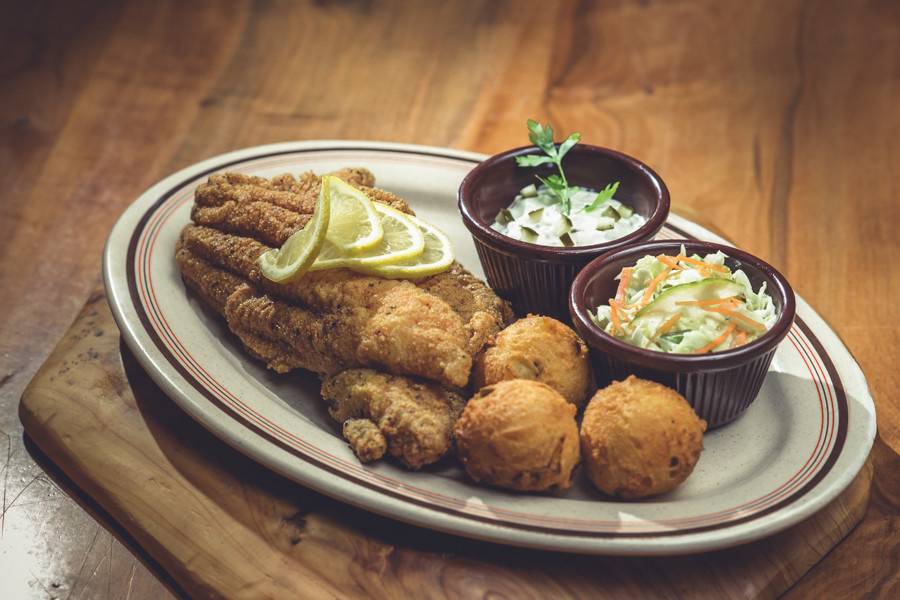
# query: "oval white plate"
795 449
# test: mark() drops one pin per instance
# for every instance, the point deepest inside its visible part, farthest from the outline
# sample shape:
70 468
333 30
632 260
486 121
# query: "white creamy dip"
536 216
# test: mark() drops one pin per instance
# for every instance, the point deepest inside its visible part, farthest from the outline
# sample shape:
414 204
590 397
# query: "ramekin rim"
482 230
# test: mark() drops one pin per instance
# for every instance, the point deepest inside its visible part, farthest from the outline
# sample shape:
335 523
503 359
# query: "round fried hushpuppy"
542 349
640 438
519 434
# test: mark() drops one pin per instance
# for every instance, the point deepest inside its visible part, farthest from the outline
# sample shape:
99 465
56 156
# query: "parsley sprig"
602 196
542 137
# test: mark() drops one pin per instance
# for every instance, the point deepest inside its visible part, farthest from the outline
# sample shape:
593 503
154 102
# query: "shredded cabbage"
717 308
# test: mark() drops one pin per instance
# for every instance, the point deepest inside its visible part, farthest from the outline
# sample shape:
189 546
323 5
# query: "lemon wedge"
436 258
354 225
300 250
402 240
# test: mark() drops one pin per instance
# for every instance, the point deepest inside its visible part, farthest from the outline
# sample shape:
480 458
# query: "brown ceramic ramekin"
719 385
536 278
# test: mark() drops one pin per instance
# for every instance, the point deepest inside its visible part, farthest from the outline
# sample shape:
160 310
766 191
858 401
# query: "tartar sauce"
536 216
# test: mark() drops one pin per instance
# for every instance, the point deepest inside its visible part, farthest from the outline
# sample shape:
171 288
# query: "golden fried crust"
264 325
365 438
270 224
264 214
414 418
313 345
483 312
279 357
354 319
542 349
640 438
271 211
519 434
214 286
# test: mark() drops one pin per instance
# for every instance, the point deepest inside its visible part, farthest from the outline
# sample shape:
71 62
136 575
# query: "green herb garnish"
603 196
542 137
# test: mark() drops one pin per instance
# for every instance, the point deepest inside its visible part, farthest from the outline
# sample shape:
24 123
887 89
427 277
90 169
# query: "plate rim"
217 421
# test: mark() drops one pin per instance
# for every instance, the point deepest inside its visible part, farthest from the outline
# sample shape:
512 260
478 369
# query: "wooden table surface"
776 121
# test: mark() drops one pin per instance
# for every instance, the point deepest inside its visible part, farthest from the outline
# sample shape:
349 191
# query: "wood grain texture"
224 527
775 121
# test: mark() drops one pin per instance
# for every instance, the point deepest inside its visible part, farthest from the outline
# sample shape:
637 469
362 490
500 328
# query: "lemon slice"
354 225
402 240
436 258
299 251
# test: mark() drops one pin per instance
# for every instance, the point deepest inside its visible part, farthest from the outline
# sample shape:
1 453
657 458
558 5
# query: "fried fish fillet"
377 331
411 419
343 318
270 211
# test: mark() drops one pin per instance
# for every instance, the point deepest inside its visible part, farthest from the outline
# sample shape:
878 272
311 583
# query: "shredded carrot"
669 324
648 293
623 284
700 263
751 323
614 316
671 261
716 342
740 338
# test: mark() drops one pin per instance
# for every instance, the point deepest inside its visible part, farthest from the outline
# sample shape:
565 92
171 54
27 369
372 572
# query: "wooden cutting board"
222 526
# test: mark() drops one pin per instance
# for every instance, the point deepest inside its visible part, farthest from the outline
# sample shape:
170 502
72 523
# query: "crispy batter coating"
214 286
271 211
414 418
411 419
478 306
347 318
365 438
640 438
253 317
542 349
331 321
519 434
265 213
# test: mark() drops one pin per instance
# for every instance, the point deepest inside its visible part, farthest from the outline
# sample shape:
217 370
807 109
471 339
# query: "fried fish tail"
414 418
279 357
365 439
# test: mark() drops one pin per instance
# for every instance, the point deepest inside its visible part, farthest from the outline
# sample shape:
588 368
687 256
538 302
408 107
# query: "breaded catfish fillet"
386 347
411 419
341 318
268 212
271 211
